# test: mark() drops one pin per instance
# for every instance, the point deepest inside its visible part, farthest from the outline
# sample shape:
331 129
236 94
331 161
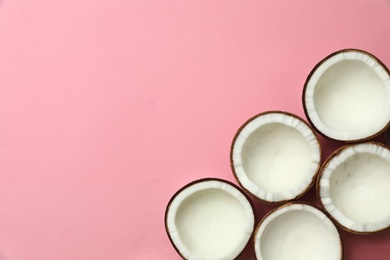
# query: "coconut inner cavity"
210 222
350 96
299 234
359 188
277 158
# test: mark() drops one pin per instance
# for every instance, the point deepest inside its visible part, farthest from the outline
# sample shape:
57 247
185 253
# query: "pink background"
108 107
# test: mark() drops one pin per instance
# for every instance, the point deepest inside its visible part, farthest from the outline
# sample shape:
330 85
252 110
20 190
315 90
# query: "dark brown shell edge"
318 188
300 203
234 171
310 75
205 180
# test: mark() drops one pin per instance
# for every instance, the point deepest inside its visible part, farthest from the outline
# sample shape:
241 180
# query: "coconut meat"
210 220
348 96
355 188
297 232
275 157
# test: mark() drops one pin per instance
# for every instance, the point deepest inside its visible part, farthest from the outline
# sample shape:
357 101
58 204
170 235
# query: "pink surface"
108 107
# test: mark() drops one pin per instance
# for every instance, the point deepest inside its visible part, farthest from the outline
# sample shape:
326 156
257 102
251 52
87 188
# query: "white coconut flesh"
355 187
297 232
275 156
347 97
210 220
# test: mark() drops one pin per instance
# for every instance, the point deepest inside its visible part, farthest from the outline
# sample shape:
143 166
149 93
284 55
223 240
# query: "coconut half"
346 96
354 187
275 156
297 231
209 219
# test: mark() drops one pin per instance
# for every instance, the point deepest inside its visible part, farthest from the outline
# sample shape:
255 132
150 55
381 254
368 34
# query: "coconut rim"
336 153
284 113
178 192
315 68
304 205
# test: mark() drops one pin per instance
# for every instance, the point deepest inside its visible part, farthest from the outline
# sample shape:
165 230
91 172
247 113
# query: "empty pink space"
108 107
